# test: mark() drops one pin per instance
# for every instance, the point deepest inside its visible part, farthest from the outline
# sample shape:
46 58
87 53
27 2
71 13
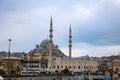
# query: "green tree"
66 71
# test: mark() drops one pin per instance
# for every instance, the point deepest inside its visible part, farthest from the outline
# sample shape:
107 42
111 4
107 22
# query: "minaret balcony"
51 30
70 36
51 36
70 41
70 45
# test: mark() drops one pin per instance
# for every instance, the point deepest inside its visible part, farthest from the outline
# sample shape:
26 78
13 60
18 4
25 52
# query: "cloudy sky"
95 25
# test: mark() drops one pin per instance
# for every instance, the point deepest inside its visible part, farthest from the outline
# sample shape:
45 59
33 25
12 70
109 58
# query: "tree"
66 71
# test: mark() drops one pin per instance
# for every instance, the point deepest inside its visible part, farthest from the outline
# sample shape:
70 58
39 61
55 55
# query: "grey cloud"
30 20
103 28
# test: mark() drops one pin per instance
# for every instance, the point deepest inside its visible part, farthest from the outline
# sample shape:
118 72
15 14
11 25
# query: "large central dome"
46 41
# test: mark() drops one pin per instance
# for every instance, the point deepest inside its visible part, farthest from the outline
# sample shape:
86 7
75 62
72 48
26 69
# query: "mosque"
48 57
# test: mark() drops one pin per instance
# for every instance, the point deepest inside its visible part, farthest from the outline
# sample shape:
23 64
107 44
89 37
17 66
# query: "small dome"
40 48
46 41
86 57
54 49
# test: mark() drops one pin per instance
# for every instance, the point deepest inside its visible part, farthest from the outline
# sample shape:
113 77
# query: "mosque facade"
48 57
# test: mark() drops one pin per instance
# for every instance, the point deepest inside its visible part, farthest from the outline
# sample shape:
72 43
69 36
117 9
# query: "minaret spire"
70 42
51 21
51 30
50 47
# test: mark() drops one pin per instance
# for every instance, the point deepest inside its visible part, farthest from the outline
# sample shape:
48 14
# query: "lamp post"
9 61
9 48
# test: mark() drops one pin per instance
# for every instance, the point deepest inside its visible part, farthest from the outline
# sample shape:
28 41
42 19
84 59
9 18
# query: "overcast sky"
95 25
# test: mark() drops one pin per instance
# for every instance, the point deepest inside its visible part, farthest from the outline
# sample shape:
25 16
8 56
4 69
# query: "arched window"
57 67
69 67
78 67
74 67
54 67
23 65
37 66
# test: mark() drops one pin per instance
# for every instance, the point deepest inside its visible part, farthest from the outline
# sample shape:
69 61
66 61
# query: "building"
48 57
13 64
116 65
75 65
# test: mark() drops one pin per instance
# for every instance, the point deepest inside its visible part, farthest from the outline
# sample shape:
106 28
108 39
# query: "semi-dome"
40 48
54 49
46 41
86 57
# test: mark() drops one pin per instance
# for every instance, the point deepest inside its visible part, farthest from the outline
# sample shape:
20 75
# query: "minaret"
70 42
50 47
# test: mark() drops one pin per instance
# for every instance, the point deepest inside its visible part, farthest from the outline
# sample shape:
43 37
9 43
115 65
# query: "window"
57 67
37 66
74 67
23 65
54 67
69 67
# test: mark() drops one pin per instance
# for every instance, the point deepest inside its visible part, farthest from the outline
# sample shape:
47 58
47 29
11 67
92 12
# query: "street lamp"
9 61
9 47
